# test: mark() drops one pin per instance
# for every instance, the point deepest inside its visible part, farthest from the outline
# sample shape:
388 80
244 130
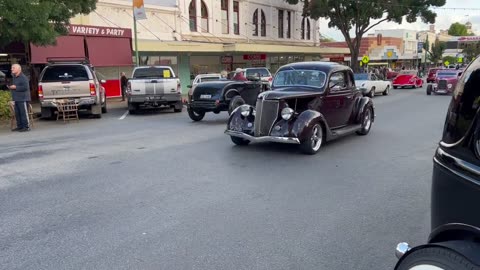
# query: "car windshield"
360 76
432 71
446 74
65 74
263 72
300 77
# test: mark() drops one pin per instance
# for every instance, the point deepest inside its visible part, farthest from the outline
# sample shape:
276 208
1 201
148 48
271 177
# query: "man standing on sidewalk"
21 96
124 82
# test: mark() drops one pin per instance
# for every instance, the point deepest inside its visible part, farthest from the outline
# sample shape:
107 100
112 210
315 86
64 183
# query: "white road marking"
123 116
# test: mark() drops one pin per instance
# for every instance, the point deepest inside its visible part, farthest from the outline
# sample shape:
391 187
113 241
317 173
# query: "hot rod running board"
331 134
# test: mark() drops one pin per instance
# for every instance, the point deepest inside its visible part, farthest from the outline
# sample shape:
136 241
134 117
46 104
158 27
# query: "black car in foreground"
454 243
221 95
310 103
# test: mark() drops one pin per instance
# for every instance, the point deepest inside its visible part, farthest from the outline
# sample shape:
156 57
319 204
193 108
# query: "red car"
407 78
432 73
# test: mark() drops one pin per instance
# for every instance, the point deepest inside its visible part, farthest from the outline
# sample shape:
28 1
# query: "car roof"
326 67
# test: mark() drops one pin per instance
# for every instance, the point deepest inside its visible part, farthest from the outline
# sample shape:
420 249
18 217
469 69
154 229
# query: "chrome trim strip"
467 166
262 139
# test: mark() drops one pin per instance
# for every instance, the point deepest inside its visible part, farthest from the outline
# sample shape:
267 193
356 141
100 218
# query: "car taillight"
270 79
129 88
93 90
179 87
40 92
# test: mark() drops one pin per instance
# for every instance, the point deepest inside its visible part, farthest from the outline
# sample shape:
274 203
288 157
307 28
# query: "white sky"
443 21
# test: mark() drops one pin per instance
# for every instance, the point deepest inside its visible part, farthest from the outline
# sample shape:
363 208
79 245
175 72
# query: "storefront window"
156 60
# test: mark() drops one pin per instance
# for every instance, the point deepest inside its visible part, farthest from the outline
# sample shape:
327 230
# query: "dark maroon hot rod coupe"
310 103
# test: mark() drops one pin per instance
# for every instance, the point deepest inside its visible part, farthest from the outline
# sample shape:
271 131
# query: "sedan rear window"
65 73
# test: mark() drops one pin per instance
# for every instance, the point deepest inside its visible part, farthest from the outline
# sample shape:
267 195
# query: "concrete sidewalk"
113 103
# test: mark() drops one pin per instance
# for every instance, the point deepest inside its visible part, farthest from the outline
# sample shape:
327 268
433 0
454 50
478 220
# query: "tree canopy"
458 29
362 15
38 21
437 51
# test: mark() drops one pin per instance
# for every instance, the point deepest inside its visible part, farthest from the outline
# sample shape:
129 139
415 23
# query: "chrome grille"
266 115
442 84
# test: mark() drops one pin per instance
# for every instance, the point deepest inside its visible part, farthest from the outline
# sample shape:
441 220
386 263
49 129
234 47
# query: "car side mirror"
103 81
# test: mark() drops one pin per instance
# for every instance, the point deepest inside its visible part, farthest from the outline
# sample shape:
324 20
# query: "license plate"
206 96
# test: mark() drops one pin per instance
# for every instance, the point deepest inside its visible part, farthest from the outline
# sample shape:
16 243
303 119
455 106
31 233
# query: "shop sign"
337 59
227 59
252 57
99 31
469 38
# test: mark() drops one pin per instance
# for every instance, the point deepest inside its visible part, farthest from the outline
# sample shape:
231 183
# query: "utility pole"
135 37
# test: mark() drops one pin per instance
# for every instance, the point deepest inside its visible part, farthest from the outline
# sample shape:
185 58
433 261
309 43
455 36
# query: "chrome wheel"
317 137
367 120
426 267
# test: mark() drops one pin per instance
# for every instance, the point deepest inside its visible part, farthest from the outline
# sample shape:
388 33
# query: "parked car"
73 79
453 243
407 78
153 87
223 95
445 82
203 78
432 74
372 84
265 76
391 74
310 103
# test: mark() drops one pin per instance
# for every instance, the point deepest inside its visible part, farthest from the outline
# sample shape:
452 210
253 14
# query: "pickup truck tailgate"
154 86
65 90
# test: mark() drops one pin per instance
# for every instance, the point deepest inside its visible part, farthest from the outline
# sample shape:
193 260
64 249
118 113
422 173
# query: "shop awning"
67 46
109 52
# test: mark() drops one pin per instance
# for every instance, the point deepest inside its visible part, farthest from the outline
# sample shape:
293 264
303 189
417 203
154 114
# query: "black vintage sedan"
454 241
221 95
310 103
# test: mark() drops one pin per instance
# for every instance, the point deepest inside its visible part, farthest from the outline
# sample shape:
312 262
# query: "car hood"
290 92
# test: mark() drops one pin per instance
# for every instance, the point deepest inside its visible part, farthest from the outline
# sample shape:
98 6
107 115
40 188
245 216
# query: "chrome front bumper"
262 139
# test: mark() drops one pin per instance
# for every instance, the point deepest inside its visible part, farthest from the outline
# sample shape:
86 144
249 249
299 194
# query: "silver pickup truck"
154 86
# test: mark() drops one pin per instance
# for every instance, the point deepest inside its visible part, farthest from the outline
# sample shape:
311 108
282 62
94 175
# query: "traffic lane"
243 214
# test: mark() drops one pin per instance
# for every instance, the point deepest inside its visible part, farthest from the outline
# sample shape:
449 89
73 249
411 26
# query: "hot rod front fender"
362 103
304 123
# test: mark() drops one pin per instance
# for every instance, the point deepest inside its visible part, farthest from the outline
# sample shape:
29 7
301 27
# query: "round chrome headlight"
245 110
449 85
287 113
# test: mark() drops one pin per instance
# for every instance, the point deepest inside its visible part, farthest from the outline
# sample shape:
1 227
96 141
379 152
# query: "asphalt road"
157 191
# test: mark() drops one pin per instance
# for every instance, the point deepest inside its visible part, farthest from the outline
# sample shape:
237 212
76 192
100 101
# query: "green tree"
471 51
437 51
358 15
451 60
38 21
458 29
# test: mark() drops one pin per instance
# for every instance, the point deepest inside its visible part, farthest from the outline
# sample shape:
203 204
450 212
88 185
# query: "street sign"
365 59
420 47
446 63
460 60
